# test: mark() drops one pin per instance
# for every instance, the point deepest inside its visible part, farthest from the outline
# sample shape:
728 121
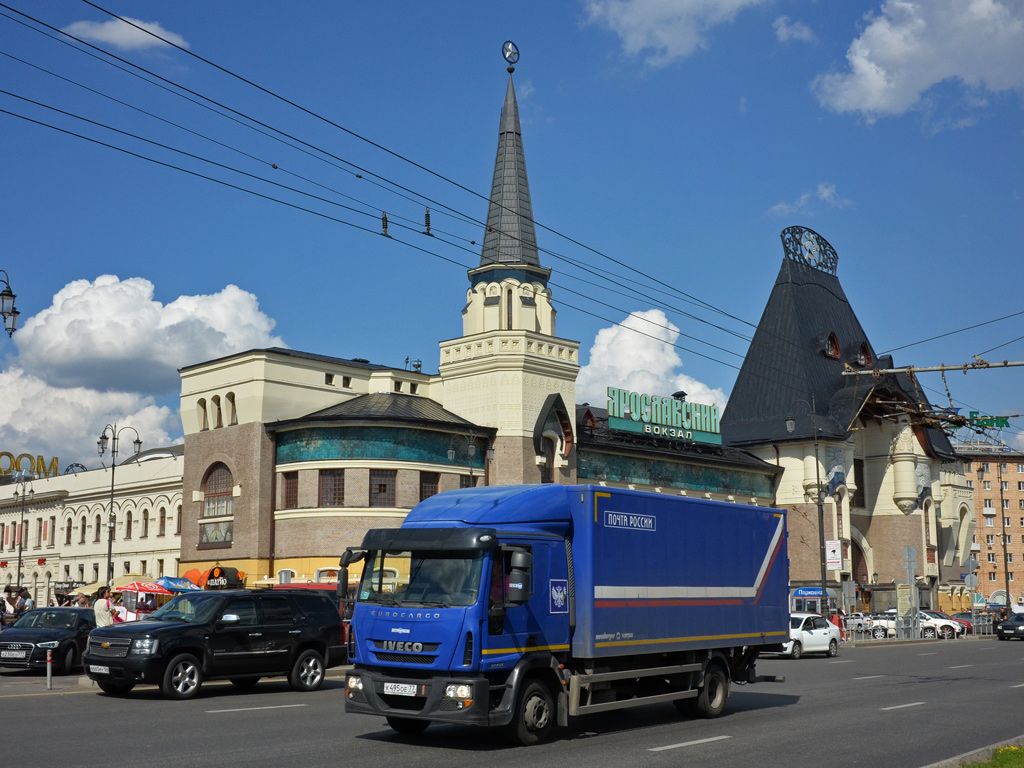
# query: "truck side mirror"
519 577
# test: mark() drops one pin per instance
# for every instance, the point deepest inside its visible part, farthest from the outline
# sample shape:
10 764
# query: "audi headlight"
49 644
145 646
458 692
355 683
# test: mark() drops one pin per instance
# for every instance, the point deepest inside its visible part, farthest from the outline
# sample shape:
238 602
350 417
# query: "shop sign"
661 416
807 592
25 462
975 419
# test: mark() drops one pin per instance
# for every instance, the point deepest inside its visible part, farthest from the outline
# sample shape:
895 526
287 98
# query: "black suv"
241 635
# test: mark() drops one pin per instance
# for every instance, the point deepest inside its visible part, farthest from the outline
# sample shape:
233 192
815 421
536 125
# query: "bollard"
49 670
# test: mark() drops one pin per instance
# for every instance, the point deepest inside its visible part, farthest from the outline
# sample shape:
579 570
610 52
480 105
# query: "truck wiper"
434 603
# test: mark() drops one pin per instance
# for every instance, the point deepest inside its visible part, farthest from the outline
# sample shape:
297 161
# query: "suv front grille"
116 647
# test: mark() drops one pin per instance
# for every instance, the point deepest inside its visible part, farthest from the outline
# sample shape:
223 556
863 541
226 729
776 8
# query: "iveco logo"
401 645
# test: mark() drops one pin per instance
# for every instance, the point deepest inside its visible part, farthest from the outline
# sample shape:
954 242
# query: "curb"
982 755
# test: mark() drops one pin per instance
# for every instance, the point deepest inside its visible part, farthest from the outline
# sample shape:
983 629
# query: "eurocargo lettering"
523 607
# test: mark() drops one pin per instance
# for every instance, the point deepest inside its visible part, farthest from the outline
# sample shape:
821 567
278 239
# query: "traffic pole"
49 670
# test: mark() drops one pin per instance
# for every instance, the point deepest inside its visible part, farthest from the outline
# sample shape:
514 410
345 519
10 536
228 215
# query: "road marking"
843 661
902 706
688 743
48 693
1018 686
962 666
869 677
933 653
253 709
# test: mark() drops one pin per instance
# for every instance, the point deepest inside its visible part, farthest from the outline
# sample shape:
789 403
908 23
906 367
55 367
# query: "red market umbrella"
146 587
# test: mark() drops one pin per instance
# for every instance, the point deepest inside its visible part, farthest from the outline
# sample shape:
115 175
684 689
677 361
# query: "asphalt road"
884 705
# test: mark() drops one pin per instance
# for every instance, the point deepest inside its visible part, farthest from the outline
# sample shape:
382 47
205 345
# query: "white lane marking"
1018 686
869 677
253 709
962 666
933 653
688 743
902 706
843 661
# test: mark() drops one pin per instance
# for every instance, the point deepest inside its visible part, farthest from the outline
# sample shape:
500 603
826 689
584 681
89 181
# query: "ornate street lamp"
7 308
101 446
470 453
1002 514
818 491
25 493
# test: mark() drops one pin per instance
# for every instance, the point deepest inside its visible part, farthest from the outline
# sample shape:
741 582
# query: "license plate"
12 654
400 689
98 670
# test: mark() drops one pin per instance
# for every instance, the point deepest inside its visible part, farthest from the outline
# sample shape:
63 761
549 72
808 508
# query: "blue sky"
678 138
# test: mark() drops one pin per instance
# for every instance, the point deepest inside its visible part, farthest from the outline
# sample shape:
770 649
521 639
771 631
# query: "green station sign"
666 417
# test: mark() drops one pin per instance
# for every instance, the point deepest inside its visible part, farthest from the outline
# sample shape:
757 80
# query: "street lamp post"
7 308
470 452
25 493
1002 514
790 427
101 446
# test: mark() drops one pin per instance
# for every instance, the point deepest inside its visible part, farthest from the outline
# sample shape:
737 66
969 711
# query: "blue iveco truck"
523 606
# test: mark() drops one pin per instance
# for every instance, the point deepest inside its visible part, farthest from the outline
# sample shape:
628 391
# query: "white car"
811 633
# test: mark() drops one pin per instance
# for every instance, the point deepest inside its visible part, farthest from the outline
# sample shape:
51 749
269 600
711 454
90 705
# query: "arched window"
177 524
217 492
128 525
218 416
145 524
67 533
203 421
832 347
162 522
508 309
99 524
81 535
232 412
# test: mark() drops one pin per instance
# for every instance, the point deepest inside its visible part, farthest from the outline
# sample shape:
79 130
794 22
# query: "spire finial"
511 54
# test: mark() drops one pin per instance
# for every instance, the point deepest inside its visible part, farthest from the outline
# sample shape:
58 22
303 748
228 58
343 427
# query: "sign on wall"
28 464
660 416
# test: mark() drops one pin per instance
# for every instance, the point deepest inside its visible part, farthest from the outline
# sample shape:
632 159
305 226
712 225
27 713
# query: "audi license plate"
12 654
400 689
98 670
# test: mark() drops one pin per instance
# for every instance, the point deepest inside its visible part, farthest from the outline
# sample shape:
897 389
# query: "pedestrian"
103 608
26 602
83 601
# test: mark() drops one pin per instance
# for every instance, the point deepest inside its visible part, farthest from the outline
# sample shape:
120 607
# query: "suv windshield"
189 608
426 577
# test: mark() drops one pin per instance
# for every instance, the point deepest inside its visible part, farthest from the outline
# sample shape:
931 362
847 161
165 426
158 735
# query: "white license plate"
12 654
400 689
98 670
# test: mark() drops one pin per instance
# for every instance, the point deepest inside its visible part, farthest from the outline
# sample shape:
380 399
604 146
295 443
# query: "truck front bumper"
370 692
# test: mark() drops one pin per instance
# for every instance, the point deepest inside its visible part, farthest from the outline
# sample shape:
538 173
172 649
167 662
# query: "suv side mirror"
229 618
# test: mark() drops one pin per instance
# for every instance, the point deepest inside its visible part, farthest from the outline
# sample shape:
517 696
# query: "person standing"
103 609
25 603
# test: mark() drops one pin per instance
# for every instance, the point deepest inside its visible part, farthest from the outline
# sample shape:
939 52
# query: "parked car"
943 623
63 631
886 625
967 619
965 625
1012 627
860 622
811 633
239 635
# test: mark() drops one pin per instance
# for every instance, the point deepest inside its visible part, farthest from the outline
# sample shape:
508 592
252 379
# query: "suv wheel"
928 632
948 633
833 648
308 672
182 677
878 633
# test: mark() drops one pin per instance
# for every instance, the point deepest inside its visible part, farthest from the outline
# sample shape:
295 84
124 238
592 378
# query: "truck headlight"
458 692
49 644
355 683
145 646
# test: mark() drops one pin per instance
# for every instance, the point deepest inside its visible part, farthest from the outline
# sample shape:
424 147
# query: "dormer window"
832 347
864 356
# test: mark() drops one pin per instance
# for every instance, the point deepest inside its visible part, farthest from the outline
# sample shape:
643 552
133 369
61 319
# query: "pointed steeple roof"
510 237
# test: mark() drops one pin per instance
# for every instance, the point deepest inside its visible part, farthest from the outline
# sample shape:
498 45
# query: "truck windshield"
426 577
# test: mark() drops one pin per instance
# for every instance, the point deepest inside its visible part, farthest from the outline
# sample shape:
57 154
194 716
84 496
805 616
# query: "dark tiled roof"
510 237
385 407
786 363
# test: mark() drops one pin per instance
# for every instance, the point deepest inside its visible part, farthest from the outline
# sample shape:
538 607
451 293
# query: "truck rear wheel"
714 693
534 716
407 726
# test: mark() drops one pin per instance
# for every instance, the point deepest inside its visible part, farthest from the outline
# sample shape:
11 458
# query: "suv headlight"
145 646
49 644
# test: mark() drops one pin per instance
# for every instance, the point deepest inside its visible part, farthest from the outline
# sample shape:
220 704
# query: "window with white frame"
991 557
990 522
991 575
988 504
990 539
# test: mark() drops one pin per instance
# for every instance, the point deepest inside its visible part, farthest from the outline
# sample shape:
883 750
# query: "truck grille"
405 658
428 647
116 647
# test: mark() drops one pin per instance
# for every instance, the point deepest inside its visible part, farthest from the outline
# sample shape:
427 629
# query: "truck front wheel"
714 693
534 718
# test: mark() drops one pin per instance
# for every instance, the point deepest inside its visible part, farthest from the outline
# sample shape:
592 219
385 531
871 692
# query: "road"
883 705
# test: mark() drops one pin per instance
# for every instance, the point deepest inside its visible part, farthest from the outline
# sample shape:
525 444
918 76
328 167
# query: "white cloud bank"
787 30
106 351
124 36
825 193
664 30
913 45
621 357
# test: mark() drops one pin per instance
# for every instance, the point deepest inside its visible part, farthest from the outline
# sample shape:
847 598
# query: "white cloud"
112 335
786 30
124 36
913 45
825 193
663 30
42 420
621 357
